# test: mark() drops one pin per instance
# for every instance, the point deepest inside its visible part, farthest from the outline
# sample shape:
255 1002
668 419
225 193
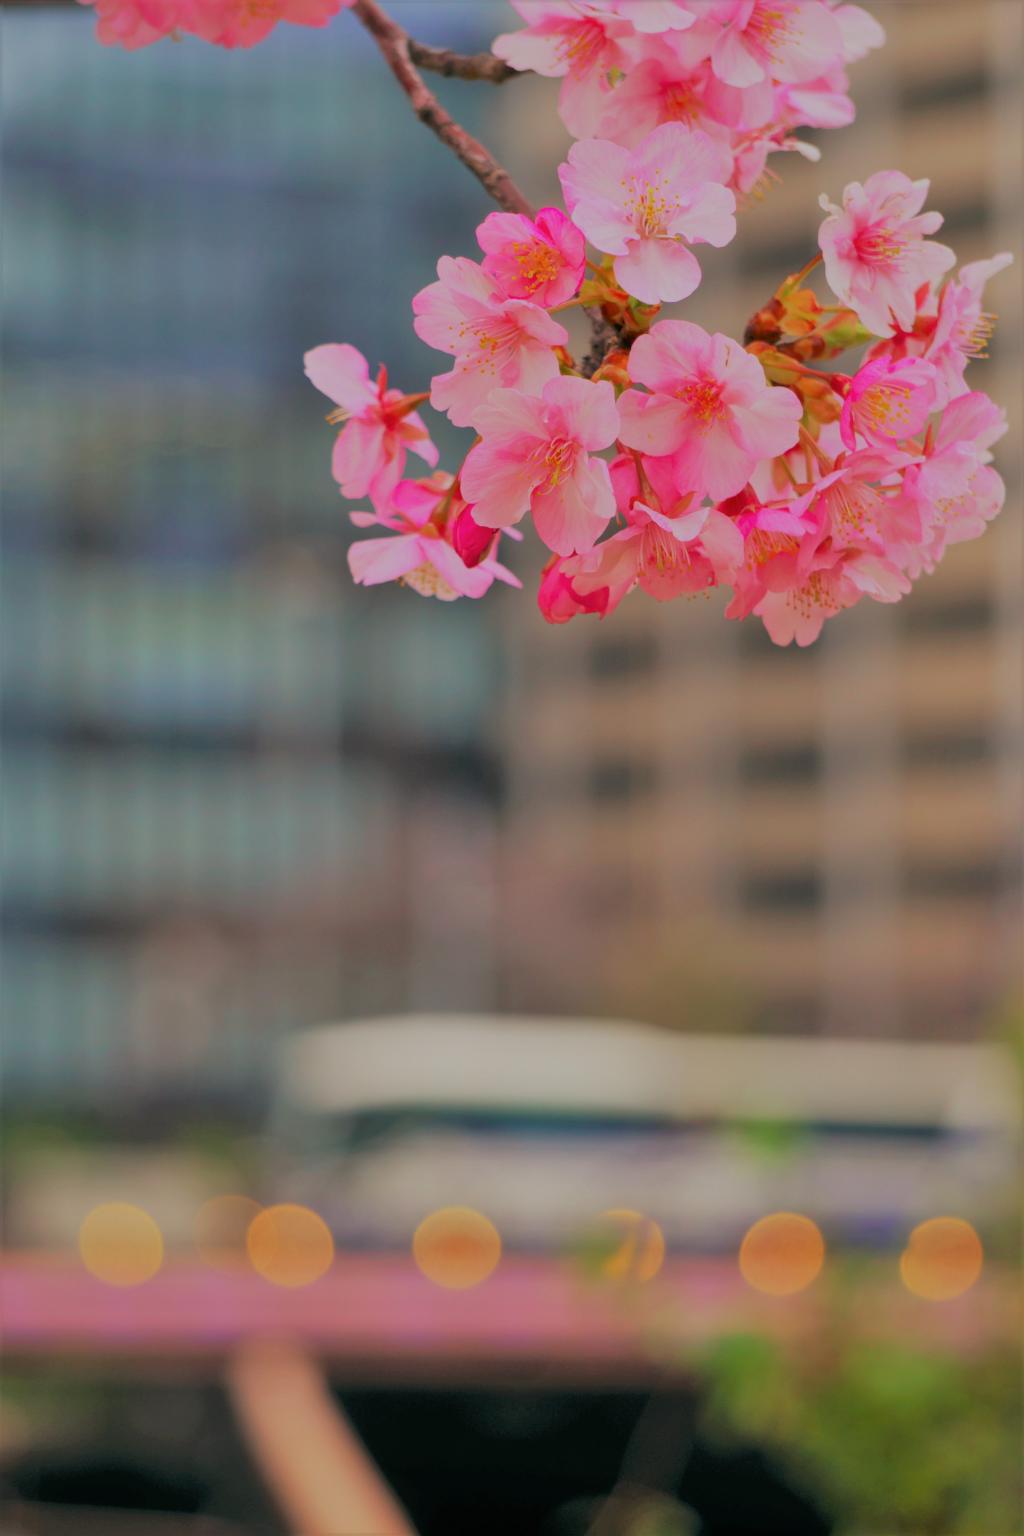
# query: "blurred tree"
882 1429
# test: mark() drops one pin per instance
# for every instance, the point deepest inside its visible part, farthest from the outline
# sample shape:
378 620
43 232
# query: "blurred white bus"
542 1124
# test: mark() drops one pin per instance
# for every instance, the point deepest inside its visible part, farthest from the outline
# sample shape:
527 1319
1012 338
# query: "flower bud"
470 542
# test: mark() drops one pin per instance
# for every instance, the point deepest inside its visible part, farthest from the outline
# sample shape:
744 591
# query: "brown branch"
460 66
403 54
396 46
604 338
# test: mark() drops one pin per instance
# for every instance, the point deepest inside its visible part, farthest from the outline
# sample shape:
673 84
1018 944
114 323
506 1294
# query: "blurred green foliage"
770 1141
662 1516
894 1439
39 1408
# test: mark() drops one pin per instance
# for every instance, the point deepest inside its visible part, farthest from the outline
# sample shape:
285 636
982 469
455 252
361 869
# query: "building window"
947 749
962 615
623 655
791 763
967 220
782 891
609 895
967 85
985 878
620 779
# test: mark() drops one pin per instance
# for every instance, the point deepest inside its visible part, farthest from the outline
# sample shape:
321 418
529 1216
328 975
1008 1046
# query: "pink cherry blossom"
651 482
666 553
953 488
599 579
795 576
137 23
839 580
556 598
664 463
497 342
821 103
229 23
888 401
780 542
672 82
541 259
962 328
711 408
646 206
781 40
380 423
858 504
580 41
668 548
420 553
750 156
876 254
537 455
662 556
950 327
780 550
861 32
653 17
241 24
773 479
470 541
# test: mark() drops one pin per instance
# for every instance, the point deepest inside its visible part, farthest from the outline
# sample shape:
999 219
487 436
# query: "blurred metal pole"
322 1477
655 1460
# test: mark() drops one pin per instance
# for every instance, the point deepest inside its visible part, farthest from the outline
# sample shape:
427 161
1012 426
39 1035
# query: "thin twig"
403 54
461 66
395 44
604 338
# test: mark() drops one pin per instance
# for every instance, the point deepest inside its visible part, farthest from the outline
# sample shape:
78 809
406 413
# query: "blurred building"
229 773
242 795
707 830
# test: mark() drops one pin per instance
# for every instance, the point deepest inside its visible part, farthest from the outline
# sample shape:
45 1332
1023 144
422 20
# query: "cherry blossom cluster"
668 460
747 73
687 461
229 23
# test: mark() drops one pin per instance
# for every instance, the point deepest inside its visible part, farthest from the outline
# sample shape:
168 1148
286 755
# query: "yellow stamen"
764 544
888 407
703 398
559 459
538 263
880 246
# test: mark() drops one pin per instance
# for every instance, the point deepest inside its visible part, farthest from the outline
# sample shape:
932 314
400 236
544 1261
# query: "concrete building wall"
714 830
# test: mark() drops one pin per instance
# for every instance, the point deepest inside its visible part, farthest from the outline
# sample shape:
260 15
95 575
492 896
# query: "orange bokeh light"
221 1227
289 1245
943 1258
456 1247
639 1245
121 1244
782 1254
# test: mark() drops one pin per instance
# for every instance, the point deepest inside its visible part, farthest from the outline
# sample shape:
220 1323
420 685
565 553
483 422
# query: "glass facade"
215 747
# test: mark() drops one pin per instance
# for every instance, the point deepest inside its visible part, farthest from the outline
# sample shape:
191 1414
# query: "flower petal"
342 373
373 561
656 270
571 516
